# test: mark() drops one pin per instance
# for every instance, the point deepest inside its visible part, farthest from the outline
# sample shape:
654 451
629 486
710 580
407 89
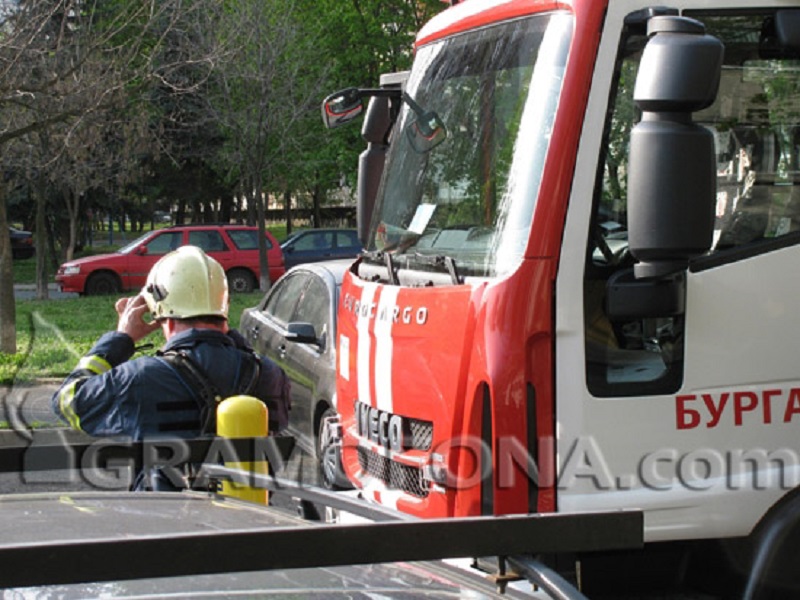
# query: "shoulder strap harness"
204 393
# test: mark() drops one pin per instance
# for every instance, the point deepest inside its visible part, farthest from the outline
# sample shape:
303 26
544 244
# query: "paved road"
27 291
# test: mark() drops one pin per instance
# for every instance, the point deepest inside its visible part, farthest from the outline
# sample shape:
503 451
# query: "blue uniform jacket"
108 394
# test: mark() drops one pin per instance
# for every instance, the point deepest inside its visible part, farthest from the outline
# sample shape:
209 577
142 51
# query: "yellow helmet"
186 283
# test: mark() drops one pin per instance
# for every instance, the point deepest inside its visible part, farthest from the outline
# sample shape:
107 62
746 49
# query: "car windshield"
128 248
461 179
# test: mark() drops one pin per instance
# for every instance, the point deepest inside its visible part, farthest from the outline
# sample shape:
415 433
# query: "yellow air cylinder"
243 417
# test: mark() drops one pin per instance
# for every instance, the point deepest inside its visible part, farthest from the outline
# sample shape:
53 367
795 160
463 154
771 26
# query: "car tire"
102 284
241 281
329 458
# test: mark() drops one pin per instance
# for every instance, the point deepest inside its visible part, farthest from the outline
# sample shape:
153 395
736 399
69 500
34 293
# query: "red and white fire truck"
581 219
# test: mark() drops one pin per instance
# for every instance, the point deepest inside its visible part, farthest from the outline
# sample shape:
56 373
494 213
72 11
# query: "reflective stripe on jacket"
107 394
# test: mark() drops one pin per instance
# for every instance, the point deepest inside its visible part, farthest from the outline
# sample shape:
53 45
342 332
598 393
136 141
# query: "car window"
281 302
755 122
164 242
246 239
314 306
347 239
208 239
313 241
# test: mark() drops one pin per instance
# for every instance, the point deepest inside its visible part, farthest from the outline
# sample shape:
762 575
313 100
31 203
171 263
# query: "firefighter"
110 394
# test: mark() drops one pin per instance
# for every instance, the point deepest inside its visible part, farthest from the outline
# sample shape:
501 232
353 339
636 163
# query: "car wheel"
329 457
241 281
102 284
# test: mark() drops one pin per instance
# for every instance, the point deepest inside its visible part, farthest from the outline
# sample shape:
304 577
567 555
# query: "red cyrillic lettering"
716 411
740 407
767 399
792 405
687 418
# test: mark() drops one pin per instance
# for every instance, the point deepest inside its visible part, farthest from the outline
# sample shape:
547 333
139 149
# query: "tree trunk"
72 201
41 242
287 206
8 307
264 281
317 197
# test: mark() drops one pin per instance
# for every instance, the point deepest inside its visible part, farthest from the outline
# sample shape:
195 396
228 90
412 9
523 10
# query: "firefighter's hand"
131 313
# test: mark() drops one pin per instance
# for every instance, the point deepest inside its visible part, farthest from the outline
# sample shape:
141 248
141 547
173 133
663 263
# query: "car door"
266 328
312 363
141 261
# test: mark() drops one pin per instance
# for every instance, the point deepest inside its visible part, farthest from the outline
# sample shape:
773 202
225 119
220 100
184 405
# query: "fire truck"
580 220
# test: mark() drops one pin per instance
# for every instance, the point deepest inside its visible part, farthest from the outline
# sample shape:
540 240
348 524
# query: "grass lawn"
53 334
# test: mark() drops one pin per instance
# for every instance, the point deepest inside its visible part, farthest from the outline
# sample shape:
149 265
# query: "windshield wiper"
441 262
380 257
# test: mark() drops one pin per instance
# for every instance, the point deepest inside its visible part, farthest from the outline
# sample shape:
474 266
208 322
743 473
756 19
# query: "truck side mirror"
375 131
672 164
379 120
341 107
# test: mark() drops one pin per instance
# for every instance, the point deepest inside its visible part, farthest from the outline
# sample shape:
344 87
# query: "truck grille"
421 434
394 475
417 434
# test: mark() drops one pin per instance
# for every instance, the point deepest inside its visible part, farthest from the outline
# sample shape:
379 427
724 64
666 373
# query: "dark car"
295 325
21 243
235 247
314 245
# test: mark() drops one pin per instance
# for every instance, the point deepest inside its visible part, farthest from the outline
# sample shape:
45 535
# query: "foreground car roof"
31 518
32 521
336 268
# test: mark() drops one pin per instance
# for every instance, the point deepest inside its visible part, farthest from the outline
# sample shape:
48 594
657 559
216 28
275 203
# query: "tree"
269 82
62 62
361 40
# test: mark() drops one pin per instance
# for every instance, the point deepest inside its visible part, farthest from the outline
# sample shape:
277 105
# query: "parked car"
21 243
234 246
314 245
295 325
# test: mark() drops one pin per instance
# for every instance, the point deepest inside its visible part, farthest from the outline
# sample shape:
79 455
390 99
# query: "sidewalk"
28 405
27 291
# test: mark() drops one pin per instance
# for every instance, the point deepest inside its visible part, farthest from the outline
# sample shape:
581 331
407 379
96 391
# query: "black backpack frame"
204 393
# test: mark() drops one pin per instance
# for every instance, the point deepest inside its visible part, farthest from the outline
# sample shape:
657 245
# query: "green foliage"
53 334
25 270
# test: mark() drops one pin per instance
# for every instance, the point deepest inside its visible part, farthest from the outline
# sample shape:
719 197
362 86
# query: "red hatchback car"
234 246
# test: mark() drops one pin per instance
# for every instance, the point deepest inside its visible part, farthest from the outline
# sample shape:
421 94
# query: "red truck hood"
404 351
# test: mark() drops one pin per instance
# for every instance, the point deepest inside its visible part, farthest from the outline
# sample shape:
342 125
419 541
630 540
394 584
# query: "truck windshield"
463 183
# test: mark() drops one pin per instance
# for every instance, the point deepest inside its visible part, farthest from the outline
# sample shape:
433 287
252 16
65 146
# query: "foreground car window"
313 307
282 301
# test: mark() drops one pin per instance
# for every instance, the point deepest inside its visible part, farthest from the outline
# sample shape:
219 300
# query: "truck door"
690 414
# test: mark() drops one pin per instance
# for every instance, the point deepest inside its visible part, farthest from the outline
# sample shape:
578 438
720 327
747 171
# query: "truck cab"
577 290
